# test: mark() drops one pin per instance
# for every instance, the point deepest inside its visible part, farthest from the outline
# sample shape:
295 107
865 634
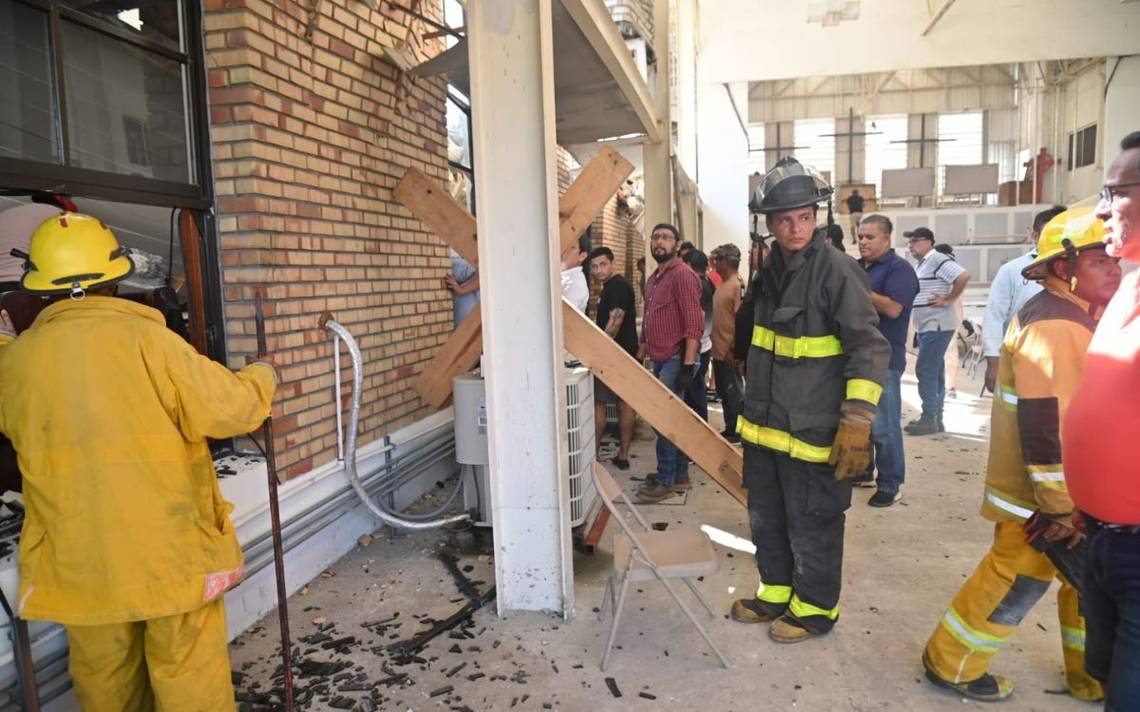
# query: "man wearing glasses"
1102 472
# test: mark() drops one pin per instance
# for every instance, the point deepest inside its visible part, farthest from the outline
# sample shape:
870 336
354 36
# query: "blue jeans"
696 396
1111 603
672 465
887 436
930 368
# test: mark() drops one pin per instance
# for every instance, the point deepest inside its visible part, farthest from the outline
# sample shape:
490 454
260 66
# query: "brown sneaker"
750 610
652 493
785 630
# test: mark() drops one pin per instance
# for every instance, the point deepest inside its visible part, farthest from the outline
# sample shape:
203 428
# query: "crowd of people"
807 358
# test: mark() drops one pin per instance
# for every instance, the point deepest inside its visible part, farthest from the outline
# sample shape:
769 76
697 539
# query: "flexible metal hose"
350 444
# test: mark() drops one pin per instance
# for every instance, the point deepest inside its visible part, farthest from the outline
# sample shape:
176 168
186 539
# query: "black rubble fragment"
612 684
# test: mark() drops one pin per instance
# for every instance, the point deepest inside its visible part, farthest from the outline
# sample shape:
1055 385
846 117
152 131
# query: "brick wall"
612 228
312 127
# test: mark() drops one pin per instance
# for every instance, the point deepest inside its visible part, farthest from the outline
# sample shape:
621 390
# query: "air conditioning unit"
470 399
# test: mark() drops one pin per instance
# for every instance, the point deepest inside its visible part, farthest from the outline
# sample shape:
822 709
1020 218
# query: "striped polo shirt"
936 275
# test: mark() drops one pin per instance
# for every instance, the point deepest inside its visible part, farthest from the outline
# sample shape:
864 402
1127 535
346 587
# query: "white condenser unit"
470 399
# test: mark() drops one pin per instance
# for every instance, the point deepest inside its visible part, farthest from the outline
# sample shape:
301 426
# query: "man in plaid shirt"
671 337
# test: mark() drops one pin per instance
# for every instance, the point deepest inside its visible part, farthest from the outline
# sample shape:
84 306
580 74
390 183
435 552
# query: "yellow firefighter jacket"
109 413
1042 358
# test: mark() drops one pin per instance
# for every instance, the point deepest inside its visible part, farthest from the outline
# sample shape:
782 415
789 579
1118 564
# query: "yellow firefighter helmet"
72 253
1064 236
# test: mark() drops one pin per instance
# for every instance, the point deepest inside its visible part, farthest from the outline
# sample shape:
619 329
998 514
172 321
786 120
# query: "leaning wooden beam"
583 200
460 354
597 181
667 413
442 215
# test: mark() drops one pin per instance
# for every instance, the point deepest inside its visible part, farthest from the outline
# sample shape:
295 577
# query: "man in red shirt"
671 337
1102 471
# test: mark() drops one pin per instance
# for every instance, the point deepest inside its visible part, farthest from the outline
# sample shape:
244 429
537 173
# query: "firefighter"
127 541
1042 357
815 372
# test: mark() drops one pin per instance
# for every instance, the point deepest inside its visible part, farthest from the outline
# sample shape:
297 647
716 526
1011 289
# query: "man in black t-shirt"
617 316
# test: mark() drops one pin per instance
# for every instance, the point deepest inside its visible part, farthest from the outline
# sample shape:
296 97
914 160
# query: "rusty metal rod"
275 522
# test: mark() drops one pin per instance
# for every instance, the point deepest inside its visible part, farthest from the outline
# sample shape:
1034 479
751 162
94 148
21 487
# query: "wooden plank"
583 200
440 213
191 240
600 179
667 413
459 355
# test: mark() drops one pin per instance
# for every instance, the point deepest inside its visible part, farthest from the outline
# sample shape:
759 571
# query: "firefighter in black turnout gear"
815 372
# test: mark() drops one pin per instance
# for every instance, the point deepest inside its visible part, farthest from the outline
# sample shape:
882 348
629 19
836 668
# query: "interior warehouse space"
569 354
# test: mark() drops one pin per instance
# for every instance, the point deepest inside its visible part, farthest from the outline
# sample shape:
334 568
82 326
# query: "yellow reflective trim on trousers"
800 609
970 637
774 594
781 441
1073 638
864 390
792 347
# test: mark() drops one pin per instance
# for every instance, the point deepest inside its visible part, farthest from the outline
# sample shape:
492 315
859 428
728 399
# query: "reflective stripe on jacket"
815 343
1042 357
109 412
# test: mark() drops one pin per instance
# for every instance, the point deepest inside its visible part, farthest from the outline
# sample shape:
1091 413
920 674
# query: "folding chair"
647 554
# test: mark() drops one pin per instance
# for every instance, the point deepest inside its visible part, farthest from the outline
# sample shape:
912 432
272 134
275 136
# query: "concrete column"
512 97
657 168
1121 103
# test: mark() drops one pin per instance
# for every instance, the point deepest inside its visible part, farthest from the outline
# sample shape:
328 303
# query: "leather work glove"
851 450
685 376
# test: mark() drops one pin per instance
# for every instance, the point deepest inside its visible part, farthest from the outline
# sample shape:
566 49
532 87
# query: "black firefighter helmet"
788 186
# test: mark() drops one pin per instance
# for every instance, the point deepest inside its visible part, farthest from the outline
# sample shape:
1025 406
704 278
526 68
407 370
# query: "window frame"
85 182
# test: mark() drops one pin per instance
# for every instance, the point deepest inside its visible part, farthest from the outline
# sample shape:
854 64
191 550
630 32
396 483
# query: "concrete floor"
903 566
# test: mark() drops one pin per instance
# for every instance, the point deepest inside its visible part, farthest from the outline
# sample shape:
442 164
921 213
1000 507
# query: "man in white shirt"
574 286
941 281
1008 293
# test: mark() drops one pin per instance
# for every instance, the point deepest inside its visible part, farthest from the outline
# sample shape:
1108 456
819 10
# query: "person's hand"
992 373
641 353
851 449
1059 530
1078 521
452 283
265 360
6 325
685 376
940 301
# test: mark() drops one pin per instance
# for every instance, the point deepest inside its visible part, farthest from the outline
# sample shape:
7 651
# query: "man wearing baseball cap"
941 281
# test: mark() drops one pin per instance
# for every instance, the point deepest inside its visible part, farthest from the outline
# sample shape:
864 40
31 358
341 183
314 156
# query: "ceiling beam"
937 16
871 97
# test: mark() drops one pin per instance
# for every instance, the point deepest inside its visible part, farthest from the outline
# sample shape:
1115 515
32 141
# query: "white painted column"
512 97
1121 104
722 163
656 161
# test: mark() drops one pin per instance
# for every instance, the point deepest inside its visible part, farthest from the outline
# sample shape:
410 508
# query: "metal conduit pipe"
300 531
376 482
350 445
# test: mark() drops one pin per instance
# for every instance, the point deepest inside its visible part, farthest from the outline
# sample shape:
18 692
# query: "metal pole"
275 522
22 656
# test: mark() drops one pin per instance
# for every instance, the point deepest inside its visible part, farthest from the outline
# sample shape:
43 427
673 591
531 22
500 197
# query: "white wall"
1122 104
1081 104
751 40
722 165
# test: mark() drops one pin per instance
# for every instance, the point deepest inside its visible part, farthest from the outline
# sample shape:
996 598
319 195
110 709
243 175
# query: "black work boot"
941 427
926 425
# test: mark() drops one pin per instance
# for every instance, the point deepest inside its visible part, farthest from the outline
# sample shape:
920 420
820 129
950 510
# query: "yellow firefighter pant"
1009 580
165 664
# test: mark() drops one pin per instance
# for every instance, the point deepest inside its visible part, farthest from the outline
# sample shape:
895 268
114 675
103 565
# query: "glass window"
156 21
458 134
126 110
818 149
885 147
28 110
960 142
